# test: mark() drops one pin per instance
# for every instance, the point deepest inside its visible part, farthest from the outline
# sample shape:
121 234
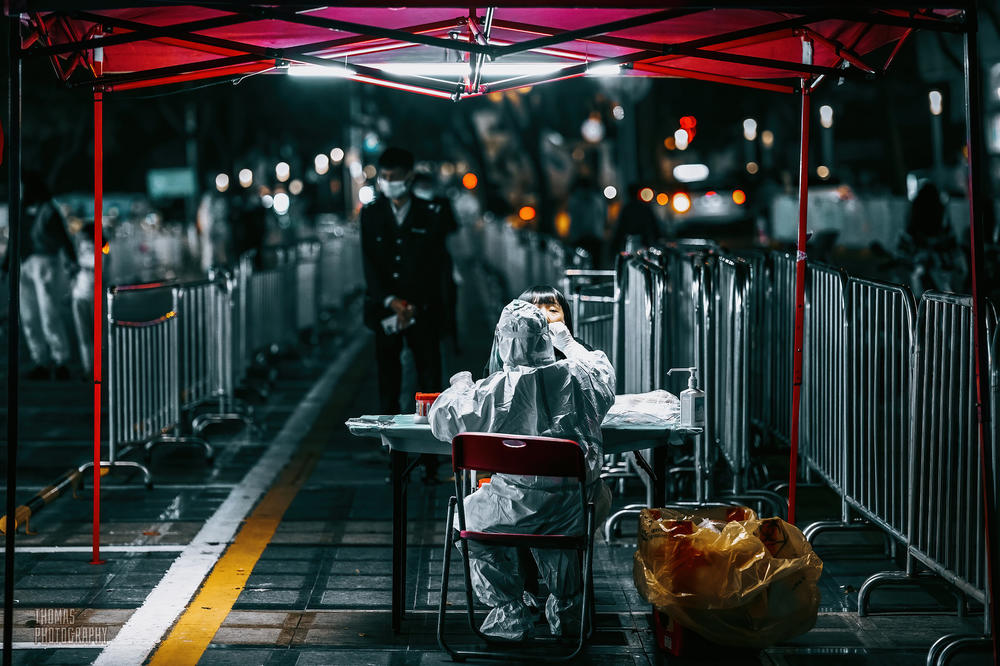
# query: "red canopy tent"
454 52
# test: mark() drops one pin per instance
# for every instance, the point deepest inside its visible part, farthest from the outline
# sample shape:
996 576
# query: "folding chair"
514 454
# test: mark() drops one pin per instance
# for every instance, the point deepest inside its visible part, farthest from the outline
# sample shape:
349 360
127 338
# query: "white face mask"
394 189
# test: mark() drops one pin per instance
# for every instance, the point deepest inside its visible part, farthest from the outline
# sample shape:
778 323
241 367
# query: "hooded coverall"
532 395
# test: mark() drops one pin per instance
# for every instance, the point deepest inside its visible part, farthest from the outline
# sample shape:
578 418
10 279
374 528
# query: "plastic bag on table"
728 575
656 408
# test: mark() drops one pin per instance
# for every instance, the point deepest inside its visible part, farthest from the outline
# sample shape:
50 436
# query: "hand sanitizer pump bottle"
692 400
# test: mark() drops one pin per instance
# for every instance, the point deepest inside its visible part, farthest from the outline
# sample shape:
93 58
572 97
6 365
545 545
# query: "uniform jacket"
405 260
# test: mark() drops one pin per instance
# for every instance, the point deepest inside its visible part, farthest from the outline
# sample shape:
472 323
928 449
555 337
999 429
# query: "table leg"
659 464
398 464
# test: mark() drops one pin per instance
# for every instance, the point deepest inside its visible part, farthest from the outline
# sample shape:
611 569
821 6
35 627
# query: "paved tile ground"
320 592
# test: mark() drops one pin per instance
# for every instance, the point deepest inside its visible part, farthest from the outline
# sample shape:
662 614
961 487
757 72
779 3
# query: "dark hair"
396 158
546 295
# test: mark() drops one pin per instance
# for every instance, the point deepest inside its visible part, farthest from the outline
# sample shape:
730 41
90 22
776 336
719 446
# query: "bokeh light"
681 203
282 171
321 163
281 203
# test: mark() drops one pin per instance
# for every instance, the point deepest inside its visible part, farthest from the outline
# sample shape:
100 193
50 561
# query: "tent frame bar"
136 34
367 30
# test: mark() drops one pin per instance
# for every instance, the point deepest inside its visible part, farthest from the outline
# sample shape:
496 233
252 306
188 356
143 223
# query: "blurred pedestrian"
43 241
929 246
403 255
248 225
83 296
636 220
587 217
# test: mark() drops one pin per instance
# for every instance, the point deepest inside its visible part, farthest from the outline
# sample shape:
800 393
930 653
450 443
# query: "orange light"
562 224
106 248
739 197
646 194
670 143
526 213
470 181
681 203
662 199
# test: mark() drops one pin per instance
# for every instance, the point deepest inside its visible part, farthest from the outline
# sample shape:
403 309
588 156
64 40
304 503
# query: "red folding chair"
514 454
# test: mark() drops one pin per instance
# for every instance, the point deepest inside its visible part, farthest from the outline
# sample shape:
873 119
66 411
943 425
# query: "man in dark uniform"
403 252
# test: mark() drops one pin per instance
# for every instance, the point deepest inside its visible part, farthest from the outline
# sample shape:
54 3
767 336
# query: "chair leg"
449 544
588 556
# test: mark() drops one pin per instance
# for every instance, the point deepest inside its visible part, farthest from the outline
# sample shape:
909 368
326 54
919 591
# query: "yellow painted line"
197 626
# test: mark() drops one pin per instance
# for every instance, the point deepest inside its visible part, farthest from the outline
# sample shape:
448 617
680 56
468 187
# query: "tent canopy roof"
457 52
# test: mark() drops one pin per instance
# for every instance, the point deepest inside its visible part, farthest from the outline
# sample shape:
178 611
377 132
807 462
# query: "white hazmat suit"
532 395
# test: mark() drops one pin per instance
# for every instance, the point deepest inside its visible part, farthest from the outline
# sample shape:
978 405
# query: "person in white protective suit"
532 395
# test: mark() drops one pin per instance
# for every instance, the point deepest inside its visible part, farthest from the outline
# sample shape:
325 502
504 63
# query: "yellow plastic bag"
728 575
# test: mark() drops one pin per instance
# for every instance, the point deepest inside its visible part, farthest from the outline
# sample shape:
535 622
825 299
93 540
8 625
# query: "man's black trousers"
425 345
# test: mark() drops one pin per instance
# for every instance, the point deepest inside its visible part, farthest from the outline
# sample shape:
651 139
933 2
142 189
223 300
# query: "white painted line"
143 548
148 625
39 645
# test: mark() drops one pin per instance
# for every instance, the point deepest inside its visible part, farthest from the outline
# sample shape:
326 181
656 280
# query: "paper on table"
655 408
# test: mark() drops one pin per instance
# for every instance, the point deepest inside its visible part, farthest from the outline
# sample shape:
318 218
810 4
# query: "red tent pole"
978 201
98 301
800 287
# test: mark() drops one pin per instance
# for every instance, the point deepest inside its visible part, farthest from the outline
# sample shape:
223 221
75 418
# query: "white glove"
561 338
463 378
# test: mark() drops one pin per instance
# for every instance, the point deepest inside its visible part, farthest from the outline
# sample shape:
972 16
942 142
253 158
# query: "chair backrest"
518 454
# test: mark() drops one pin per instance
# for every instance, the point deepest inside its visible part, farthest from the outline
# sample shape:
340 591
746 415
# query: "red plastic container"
424 402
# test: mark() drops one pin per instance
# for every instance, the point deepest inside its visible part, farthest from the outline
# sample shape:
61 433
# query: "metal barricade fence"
226 361
198 330
780 335
243 352
946 513
340 272
593 297
273 306
824 376
944 521
643 296
759 361
881 320
308 258
685 303
728 371
143 372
